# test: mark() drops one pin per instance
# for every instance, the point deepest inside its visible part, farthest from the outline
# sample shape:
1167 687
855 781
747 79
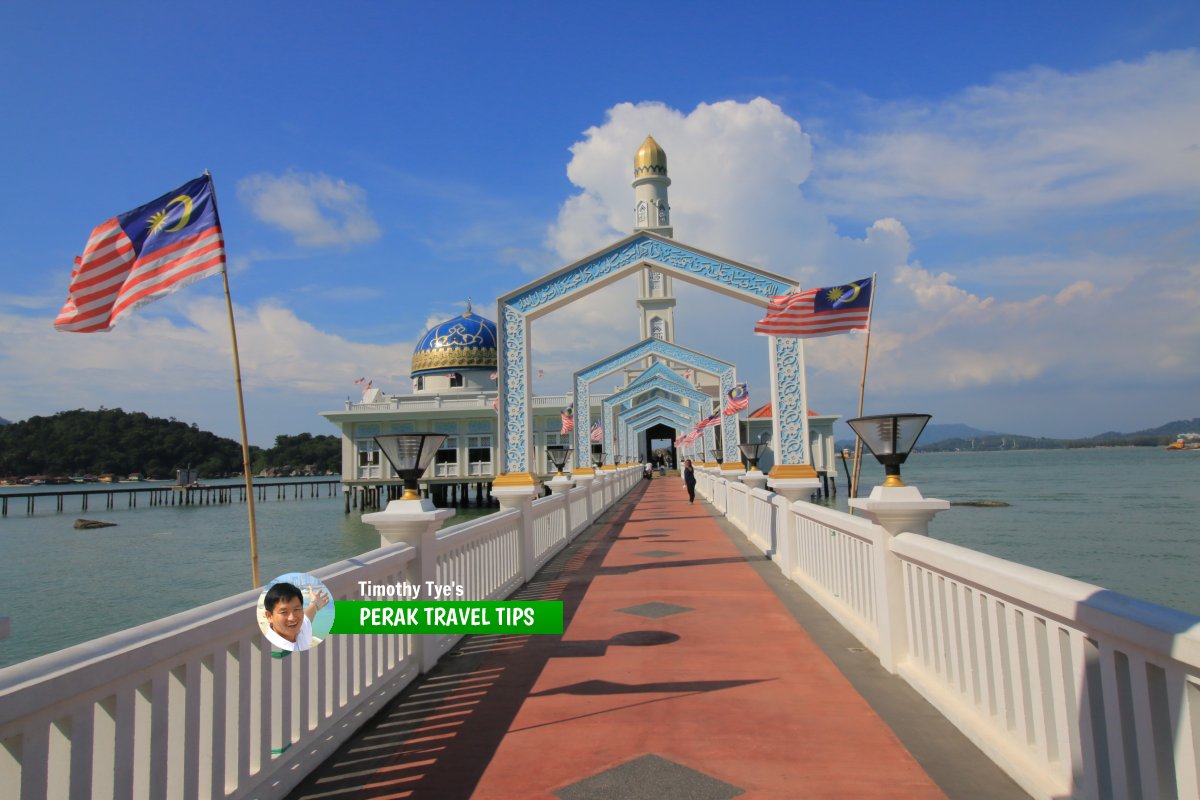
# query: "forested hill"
1150 437
111 440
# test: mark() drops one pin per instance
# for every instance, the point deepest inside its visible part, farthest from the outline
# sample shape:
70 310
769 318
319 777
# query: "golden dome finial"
651 159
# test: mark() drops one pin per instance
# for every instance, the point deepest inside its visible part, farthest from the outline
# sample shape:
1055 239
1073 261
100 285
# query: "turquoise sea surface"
1126 519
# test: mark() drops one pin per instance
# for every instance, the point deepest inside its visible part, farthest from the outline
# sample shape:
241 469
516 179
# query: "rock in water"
93 523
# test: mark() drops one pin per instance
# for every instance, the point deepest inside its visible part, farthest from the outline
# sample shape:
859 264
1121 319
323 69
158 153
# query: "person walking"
689 480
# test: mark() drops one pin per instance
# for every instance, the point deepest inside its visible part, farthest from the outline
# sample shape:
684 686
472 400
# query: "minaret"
656 298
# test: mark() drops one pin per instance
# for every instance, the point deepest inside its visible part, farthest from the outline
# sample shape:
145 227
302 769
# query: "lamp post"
894 504
717 456
897 508
559 455
754 477
406 519
890 438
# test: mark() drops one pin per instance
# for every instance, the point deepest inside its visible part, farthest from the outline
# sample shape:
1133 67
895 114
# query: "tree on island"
82 442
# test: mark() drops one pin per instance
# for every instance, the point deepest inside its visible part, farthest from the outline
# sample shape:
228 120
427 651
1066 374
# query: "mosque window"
658 328
420 384
445 463
456 380
368 458
656 283
479 455
641 212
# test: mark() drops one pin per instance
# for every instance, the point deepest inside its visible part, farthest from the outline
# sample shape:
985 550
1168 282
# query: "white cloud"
317 210
1062 309
290 369
1033 140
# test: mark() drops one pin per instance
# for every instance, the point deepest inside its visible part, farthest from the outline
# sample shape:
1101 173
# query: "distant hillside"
85 442
952 437
1171 430
1151 437
937 433
3 421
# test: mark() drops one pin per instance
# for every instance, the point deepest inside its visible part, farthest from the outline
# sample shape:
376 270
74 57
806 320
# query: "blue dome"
465 342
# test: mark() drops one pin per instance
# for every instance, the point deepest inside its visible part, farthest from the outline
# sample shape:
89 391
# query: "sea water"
61 586
1126 519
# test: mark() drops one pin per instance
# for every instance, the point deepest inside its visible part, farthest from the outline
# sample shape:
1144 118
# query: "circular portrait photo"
295 611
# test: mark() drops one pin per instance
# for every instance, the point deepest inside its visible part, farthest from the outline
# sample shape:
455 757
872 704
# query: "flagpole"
237 374
862 390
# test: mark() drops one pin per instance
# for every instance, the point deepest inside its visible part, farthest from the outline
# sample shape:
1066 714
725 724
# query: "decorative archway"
661 416
636 432
658 377
644 349
642 250
628 420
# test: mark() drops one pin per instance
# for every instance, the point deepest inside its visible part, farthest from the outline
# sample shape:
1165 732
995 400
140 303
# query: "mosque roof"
467 341
768 411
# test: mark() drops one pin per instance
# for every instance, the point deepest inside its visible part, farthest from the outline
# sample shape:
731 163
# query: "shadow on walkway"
437 737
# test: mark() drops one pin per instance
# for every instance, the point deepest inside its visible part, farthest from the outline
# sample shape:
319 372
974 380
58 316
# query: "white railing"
1073 690
736 498
579 509
551 528
760 520
718 492
481 398
831 555
1097 692
197 704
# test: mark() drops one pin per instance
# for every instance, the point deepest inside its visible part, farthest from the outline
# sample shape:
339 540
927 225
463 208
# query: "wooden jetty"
169 494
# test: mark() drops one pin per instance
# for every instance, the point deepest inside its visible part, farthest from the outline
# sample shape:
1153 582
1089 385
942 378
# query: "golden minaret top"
651 159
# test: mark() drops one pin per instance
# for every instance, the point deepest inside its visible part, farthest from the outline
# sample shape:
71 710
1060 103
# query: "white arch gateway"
658 377
724 371
517 310
637 419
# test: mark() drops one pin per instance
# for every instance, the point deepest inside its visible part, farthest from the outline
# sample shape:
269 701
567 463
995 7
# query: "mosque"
455 390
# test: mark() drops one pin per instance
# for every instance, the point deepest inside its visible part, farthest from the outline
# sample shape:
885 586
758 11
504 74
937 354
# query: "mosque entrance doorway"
659 443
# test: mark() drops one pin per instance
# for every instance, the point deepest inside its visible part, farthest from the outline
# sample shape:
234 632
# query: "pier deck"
689 669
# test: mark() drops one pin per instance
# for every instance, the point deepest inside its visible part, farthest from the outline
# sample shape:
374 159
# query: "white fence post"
897 509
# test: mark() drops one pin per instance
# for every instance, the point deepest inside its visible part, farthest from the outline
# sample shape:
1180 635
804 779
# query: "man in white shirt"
289 623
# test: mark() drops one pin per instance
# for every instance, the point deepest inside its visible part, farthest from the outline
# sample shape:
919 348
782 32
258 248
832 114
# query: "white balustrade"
1073 690
197 704
736 497
551 530
579 506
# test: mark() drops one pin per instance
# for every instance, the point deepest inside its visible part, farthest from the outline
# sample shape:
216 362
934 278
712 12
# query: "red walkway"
680 675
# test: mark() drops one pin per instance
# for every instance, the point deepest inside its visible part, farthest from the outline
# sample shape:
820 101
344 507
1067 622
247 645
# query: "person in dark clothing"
689 480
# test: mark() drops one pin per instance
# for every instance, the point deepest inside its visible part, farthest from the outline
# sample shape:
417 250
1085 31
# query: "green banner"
513 616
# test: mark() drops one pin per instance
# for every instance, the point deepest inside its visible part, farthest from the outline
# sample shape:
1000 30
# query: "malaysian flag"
568 419
541 373
597 434
496 402
819 312
143 255
738 400
708 422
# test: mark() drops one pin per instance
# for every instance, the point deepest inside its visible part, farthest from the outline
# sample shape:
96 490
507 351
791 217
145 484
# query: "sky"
1023 177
